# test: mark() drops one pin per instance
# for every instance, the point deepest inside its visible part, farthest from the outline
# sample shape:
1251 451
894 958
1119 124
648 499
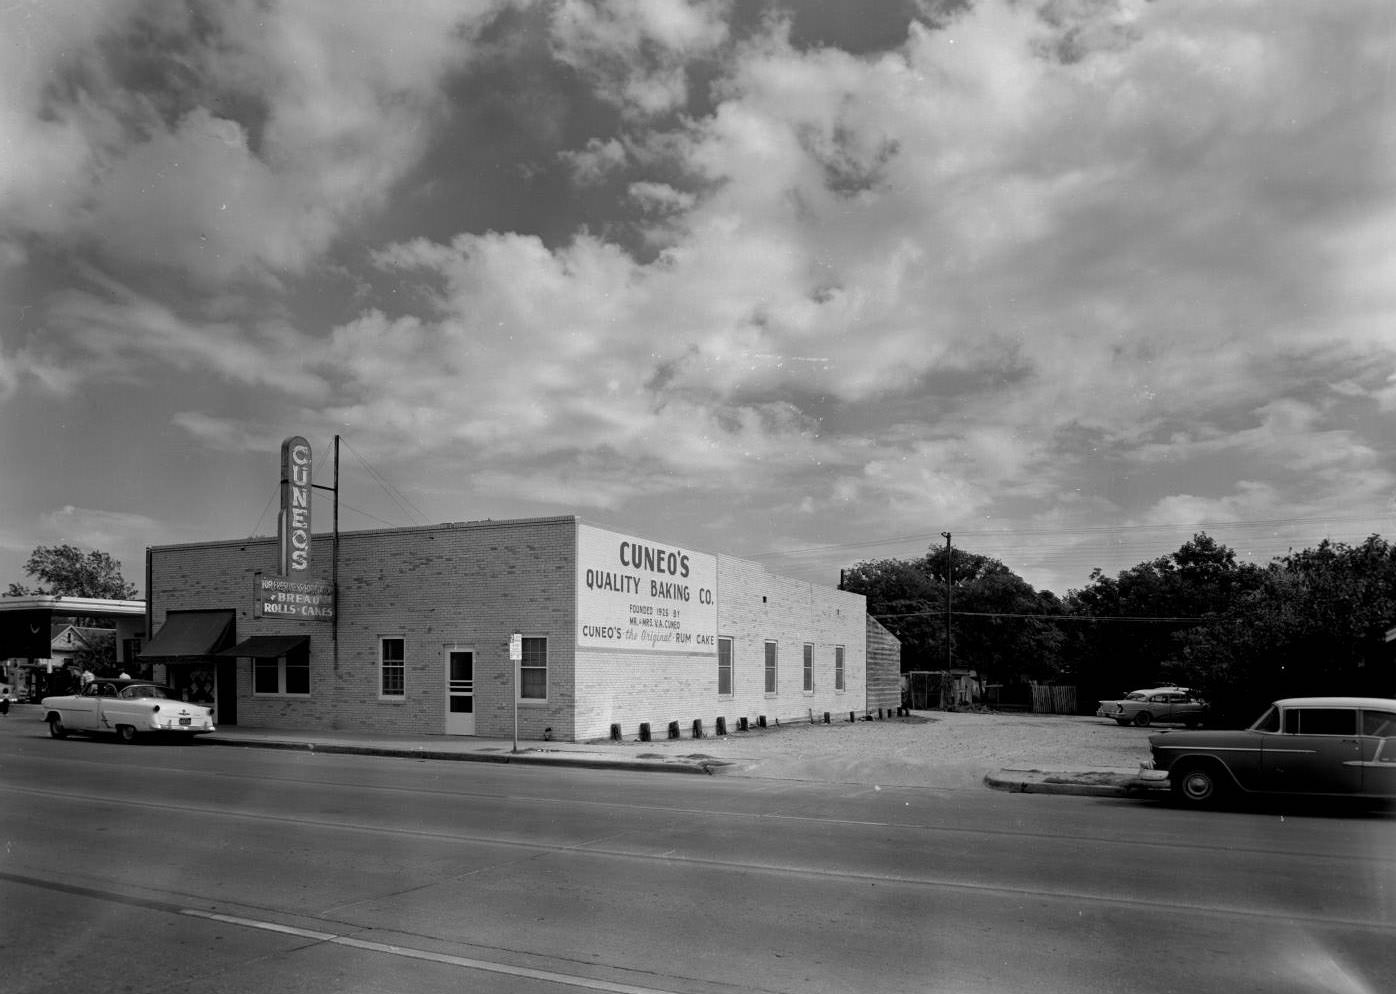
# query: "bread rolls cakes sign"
636 594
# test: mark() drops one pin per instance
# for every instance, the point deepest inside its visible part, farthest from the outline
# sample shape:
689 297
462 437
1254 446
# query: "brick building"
459 628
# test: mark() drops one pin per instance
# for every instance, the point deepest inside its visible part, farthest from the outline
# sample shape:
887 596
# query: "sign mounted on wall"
293 523
279 597
636 594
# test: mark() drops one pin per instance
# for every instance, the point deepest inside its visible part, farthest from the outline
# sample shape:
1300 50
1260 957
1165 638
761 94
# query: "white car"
125 708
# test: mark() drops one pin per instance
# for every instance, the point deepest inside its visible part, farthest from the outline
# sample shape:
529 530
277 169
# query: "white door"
460 692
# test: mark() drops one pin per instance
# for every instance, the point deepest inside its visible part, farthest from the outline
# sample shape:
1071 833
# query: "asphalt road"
195 867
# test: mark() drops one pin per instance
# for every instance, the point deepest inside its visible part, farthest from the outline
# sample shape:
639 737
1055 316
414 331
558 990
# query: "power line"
1175 619
393 492
1067 534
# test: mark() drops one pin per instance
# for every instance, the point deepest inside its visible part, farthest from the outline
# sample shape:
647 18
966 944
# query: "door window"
1321 721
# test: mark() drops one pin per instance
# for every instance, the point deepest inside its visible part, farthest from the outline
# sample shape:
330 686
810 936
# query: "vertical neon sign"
293 523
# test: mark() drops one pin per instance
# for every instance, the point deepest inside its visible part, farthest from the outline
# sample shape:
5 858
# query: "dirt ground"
931 748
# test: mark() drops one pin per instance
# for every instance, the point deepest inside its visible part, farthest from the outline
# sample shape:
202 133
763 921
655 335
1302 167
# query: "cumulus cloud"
1031 251
222 139
638 53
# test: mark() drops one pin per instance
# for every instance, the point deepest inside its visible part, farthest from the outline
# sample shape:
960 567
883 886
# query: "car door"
1172 706
1317 751
80 710
1378 752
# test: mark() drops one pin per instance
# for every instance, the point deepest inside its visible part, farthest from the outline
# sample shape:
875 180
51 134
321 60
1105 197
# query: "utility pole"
949 583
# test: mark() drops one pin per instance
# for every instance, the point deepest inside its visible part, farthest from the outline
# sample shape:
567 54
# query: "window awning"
266 646
190 634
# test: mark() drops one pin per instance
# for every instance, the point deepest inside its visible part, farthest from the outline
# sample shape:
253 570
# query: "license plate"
185 721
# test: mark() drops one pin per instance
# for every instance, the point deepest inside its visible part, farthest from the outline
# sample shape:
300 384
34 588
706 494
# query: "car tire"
1198 785
126 733
1143 718
55 727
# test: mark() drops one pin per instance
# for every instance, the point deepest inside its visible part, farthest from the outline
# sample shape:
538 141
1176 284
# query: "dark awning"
266 646
190 634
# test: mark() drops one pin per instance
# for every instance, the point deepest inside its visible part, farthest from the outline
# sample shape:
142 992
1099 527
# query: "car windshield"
1137 696
1268 722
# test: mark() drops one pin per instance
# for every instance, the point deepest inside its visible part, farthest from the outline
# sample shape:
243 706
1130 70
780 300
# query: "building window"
287 675
770 667
809 669
130 649
838 668
392 667
724 667
533 670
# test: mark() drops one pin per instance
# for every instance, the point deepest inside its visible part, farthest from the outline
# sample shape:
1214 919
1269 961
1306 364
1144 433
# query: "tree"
993 628
1147 613
99 656
67 571
1314 625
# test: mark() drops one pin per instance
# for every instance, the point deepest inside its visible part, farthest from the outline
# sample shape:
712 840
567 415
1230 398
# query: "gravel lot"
931 748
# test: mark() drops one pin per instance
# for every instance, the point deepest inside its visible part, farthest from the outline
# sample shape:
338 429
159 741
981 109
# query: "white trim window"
533 670
772 667
724 667
838 669
392 666
809 668
282 676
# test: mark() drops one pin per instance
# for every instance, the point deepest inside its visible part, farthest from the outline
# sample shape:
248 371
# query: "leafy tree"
99 656
992 629
1313 626
1146 611
67 571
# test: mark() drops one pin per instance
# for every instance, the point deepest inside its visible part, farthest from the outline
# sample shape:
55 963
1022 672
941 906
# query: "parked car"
1301 745
1144 707
125 708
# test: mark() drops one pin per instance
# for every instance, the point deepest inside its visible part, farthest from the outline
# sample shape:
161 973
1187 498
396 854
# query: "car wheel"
1198 786
55 727
126 733
1143 718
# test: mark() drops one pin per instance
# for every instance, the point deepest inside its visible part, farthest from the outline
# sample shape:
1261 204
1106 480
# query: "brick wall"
754 606
470 586
884 667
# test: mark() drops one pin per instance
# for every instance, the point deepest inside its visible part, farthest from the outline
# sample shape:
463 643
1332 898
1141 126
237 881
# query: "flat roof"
85 606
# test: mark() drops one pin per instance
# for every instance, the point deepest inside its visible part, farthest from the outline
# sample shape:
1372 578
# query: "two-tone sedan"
126 709
1161 704
1334 746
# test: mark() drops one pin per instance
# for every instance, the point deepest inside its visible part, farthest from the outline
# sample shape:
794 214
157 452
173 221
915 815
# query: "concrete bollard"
697 728
721 726
673 729
644 731
826 717
850 716
761 721
741 723
615 732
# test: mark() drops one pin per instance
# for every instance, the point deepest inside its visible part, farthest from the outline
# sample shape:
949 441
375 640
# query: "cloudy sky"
806 282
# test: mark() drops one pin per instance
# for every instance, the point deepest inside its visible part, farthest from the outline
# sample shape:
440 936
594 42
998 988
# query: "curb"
1093 784
522 759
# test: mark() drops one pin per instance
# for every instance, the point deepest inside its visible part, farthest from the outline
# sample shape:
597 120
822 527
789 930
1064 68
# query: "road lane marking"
466 962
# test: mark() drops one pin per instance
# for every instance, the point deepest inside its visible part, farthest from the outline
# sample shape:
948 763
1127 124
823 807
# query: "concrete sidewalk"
1095 783
463 748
